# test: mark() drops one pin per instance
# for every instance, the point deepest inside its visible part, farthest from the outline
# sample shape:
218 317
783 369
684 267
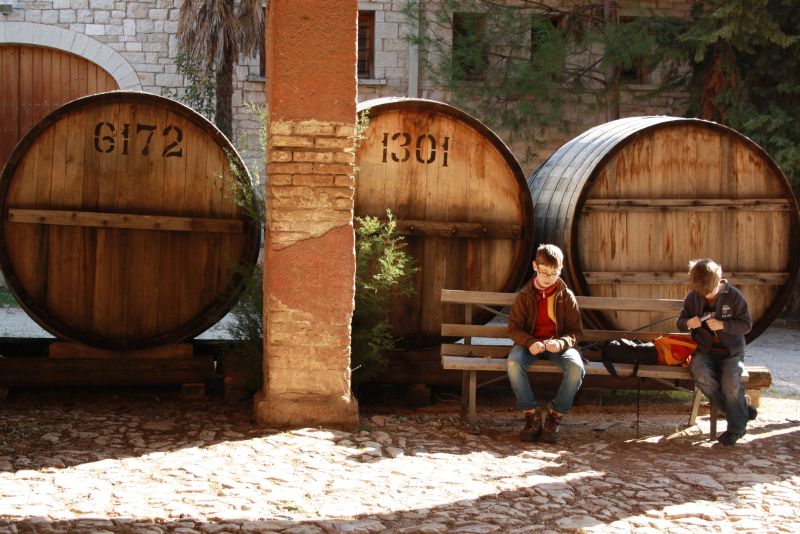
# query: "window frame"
461 26
639 73
365 66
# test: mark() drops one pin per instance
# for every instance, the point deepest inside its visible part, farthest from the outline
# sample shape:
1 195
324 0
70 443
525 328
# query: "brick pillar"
309 255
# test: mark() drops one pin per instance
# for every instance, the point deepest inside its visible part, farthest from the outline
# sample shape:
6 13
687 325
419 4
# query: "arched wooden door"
36 80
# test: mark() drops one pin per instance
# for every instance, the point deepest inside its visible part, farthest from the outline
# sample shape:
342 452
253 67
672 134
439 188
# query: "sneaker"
552 422
533 426
728 438
752 413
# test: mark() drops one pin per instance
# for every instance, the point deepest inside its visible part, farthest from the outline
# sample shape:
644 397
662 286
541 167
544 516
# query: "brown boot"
533 425
551 424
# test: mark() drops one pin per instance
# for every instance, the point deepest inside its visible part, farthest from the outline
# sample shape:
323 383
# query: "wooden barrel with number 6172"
120 227
460 199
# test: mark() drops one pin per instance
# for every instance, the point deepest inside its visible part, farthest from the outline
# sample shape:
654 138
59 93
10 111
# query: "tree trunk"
612 71
223 116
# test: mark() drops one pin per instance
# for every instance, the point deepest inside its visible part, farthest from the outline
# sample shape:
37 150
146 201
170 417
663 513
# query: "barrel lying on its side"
459 196
633 200
119 228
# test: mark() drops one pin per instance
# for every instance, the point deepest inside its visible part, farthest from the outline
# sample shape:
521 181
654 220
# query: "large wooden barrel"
119 227
460 198
633 200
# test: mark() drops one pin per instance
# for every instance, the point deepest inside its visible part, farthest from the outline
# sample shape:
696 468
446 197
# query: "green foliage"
534 60
200 82
362 122
7 299
245 186
747 72
247 328
248 185
383 272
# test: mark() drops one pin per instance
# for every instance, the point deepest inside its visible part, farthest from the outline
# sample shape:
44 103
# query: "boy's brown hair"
549 255
704 275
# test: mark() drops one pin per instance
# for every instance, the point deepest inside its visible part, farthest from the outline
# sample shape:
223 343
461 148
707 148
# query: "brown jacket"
523 316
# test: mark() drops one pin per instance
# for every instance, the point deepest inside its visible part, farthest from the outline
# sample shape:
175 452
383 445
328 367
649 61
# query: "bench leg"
473 390
464 394
695 406
755 397
713 426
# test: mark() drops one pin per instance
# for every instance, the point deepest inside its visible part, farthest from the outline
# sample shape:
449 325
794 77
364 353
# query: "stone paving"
152 463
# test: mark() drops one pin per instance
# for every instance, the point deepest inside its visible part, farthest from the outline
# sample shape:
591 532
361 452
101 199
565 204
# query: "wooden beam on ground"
40 372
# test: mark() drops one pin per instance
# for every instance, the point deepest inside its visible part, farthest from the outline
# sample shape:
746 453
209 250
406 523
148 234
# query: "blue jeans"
570 362
721 382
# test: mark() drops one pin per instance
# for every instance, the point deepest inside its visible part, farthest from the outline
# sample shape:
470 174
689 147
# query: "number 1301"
401 147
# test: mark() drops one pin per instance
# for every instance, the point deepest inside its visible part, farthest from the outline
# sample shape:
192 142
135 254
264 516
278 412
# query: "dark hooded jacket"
730 308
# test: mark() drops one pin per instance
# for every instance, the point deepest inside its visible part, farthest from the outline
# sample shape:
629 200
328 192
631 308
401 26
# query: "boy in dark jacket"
718 316
545 321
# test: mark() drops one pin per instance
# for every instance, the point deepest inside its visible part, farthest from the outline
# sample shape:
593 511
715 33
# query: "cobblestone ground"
151 463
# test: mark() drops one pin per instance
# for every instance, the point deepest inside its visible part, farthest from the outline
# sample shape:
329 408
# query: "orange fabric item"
674 350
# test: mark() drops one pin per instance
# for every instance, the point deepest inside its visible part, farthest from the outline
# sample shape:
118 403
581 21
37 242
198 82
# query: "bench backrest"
484 298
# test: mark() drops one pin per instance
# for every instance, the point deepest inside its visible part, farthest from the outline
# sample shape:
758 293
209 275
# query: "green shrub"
383 272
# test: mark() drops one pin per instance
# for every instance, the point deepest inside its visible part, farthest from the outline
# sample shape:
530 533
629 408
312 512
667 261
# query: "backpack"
633 351
674 350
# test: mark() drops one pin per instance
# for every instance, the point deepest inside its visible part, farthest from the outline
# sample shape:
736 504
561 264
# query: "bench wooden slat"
602 335
474 330
500 331
489 298
664 372
480 351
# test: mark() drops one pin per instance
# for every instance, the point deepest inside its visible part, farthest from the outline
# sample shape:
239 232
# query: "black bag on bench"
633 351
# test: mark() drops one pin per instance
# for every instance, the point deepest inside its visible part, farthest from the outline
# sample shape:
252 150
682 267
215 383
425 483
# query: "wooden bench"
473 355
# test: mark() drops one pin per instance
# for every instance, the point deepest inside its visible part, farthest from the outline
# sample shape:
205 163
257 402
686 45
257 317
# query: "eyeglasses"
548 274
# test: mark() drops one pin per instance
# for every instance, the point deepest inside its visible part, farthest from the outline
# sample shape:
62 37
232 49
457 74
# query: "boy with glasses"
545 322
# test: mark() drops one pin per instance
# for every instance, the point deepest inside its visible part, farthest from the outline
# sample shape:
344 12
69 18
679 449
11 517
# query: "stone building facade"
136 42
399 71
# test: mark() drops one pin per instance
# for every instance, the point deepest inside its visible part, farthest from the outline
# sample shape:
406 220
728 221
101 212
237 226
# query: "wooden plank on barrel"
111 251
185 273
66 244
129 221
681 277
686 204
144 246
98 194
190 167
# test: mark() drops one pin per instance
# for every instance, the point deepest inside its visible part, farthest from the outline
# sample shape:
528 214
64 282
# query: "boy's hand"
715 324
551 345
693 323
536 348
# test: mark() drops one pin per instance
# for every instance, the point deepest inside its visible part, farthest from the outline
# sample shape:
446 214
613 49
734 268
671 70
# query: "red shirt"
545 326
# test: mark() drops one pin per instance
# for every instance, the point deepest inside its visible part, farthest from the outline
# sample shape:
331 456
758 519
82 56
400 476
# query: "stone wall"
135 41
393 54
